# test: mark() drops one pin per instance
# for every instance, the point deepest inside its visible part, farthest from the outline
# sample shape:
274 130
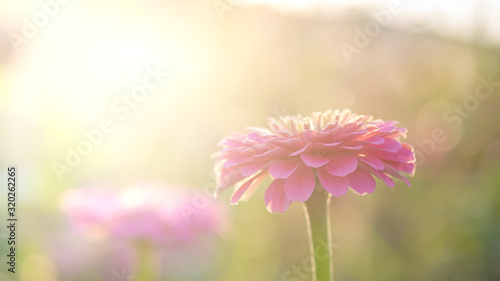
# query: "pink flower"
156 213
337 149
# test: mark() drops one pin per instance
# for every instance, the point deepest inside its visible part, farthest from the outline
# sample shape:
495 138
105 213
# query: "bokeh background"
65 66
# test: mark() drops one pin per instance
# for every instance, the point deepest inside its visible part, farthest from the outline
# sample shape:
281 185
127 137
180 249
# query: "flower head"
338 149
152 212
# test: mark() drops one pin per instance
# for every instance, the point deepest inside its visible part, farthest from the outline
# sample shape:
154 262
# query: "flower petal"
300 184
393 172
275 197
406 154
337 186
269 154
381 175
353 147
288 143
341 165
362 182
376 163
251 168
409 168
227 178
303 149
282 169
241 187
314 160
374 140
391 145
236 160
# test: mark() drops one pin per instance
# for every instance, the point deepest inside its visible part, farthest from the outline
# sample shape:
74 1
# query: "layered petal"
337 186
341 165
275 197
362 182
282 169
314 160
342 148
300 184
251 168
374 162
243 186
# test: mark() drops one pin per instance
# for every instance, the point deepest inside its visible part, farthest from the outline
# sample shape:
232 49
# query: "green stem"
145 261
317 213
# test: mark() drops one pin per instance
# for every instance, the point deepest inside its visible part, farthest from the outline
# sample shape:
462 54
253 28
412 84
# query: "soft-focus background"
76 71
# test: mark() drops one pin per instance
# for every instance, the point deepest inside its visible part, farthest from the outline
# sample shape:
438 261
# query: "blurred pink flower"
155 213
339 148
